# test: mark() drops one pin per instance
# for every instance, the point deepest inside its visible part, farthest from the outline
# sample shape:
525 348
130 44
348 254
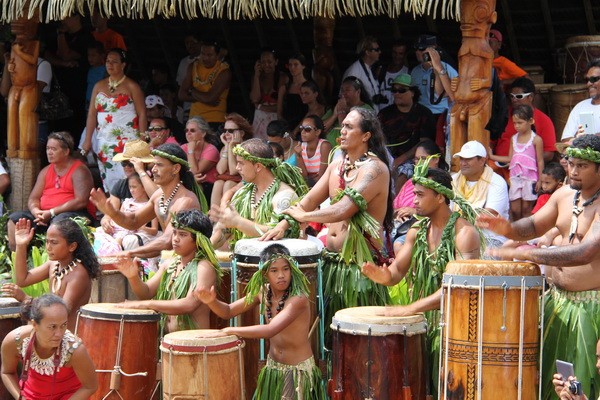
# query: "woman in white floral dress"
117 115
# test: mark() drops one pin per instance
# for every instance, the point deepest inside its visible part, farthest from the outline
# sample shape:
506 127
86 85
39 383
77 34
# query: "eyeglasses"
307 128
230 130
564 156
157 128
399 90
591 79
520 96
127 164
377 49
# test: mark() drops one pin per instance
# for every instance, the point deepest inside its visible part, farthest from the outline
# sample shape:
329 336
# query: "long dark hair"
84 251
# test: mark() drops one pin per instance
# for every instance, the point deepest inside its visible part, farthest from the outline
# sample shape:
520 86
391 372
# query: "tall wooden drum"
490 340
111 286
123 344
377 357
563 98
224 292
10 318
580 51
541 101
246 260
198 366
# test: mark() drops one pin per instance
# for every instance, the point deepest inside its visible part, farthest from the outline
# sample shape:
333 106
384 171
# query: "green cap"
403 79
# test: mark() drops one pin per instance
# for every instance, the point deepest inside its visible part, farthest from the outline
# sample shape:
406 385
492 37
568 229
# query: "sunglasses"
57 182
520 96
400 90
157 128
230 130
377 49
307 128
591 79
126 164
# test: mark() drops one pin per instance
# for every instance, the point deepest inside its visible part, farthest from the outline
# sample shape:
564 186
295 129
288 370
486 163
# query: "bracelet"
190 151
442 72
143 174
52 214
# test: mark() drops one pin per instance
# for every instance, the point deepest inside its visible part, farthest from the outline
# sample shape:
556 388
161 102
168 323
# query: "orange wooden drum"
563 98
490 340
377 357
198 366
111 286
246 260
224 291
10 318
123 344
580 51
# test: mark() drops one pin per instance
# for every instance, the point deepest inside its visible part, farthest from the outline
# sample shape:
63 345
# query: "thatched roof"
53 10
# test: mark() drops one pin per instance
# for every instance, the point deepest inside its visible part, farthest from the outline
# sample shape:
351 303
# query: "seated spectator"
315 149
236 130
277 150
156 108
311 95
159 133
62 189
507 70
134 159
386 73
202 155
277 132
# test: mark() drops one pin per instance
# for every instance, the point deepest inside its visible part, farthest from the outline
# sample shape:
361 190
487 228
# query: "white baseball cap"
153 101
472 149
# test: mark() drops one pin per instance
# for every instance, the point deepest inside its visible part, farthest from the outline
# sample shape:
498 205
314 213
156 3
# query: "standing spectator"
168 93
264 90
368 52
118 115
192 47
159 76
507 70
206 85
97 70
311 95
589 106
103 34
387 73
315 149
202 155
289 103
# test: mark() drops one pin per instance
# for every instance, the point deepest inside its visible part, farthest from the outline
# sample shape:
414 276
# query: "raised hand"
376 273
99 199
23 232
206 296
129 267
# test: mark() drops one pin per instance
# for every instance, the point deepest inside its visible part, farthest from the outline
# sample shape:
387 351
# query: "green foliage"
5 260
36 258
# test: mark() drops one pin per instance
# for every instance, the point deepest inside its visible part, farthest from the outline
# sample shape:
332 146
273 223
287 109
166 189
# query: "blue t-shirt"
421 78
94 75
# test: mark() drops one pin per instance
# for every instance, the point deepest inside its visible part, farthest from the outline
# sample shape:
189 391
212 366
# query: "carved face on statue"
24 29
476 17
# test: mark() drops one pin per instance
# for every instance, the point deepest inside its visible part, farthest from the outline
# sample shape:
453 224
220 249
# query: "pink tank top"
524 161
313 164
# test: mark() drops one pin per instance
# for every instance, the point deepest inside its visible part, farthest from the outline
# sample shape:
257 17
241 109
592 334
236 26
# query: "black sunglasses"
399 90
591 79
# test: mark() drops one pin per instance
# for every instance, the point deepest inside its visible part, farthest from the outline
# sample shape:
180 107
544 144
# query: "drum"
111 286
563 98
224 291
123 344
490 340
377 357
536 73
246 259
580 51
10 318
541 101
197 366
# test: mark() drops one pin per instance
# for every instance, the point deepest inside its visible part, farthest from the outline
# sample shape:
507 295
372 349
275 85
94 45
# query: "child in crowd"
526 158
70 269
551 179
195 266
281 290
277 150
97 70
113 238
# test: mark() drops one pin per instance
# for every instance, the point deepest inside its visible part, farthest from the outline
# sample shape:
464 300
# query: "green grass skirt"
278 381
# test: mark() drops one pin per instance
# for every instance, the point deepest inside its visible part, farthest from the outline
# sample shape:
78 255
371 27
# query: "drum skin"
580 51
9 319
198 367
111 286
246 254
99 327
500 335
354 350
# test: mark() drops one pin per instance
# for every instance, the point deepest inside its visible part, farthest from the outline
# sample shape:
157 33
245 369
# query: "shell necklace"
348 166
112 85
253 202
280 303
59 274
163 206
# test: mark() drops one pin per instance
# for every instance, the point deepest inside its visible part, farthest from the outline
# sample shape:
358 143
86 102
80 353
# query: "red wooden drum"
111 286
580 51
123 344
10 318
198 366
224 291
490 340
246 258
377 357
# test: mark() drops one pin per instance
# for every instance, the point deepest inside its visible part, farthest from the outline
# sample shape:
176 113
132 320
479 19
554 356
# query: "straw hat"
561 147
135 148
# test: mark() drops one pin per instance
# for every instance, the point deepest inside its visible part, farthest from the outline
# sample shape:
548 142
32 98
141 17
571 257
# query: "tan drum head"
200 341
223 256
9 308
358 321
110 311
492 268
304 251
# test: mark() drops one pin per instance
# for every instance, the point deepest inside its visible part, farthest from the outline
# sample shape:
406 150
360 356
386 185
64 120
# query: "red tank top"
59 189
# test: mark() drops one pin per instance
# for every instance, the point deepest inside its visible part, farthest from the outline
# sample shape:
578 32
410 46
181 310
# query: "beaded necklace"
348 166
164 207
59 274
112 85
578 210
280 303
253 202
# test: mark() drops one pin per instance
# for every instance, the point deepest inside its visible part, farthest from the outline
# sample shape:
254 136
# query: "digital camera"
575 387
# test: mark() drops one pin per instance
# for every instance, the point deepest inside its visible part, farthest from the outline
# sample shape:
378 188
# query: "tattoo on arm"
372 172
570 255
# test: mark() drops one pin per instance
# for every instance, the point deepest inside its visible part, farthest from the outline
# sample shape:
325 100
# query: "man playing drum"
290 371
270 187
572 311
359 185
171 172
195 266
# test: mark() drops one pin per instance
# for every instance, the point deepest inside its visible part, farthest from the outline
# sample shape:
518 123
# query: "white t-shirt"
573 122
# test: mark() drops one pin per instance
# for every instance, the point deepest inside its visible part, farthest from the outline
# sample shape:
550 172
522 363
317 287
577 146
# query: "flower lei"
588 154
299 285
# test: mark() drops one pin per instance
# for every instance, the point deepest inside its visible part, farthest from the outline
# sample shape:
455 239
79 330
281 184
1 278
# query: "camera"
575 387
379 99
427 57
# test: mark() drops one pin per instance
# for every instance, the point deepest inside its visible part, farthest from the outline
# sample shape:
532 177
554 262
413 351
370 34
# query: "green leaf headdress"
298 286
588 154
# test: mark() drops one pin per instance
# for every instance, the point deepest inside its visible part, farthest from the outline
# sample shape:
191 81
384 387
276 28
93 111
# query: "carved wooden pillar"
323 55
473 98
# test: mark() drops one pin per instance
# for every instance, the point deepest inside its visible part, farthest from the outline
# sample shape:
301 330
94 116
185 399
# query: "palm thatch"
53 10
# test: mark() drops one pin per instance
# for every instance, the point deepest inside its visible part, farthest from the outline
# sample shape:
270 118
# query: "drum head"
200 341
304 251
492 268
9 308
358 321
110 311
582 41
571 88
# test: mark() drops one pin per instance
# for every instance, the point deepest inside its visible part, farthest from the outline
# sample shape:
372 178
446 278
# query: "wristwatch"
443 71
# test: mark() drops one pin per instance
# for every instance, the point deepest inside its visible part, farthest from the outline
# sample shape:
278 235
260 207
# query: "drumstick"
314 325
